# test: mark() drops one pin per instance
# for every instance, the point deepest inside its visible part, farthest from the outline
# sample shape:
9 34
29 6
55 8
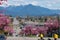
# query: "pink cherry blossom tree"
4 23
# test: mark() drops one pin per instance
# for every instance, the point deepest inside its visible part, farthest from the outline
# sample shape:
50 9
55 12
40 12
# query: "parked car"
2 37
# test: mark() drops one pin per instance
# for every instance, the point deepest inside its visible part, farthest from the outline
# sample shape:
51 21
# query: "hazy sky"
52 4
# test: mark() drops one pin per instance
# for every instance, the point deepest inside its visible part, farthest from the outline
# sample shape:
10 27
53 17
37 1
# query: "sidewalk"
26 38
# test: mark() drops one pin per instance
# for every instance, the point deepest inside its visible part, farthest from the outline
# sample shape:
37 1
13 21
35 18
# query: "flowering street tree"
4 23
30 30
52 25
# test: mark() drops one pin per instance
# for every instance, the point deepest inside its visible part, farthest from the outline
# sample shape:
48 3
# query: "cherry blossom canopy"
2 1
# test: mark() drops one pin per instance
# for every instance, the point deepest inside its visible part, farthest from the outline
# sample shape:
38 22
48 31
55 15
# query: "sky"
51 4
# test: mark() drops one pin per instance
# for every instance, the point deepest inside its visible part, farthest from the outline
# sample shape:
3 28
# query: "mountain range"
29 10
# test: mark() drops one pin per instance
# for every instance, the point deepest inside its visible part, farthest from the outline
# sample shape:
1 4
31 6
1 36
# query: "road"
26 38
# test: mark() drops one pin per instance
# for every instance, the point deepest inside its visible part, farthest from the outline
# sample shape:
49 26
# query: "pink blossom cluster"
52 23
4 23
33 30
